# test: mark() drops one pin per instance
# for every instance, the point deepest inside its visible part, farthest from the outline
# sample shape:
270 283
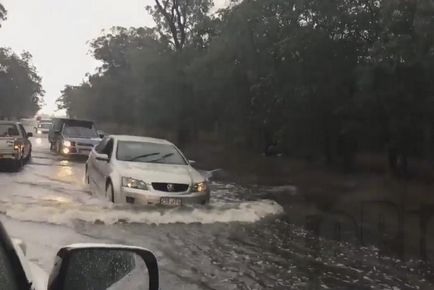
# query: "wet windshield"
149 153
8 130
310 124
79 132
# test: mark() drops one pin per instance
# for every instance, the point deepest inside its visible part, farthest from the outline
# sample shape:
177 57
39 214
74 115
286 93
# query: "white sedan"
142 170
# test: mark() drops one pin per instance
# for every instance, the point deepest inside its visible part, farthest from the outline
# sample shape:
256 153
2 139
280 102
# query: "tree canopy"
319 79
20 85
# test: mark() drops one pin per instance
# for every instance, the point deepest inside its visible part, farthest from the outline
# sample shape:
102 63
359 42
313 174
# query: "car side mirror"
102 266
29 134
102 157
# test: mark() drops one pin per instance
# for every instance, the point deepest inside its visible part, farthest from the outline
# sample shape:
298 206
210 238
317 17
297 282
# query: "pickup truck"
73 137
15 146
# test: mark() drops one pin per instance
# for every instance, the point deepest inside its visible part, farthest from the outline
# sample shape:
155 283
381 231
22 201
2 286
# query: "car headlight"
67 143
200 187
134 183
39 132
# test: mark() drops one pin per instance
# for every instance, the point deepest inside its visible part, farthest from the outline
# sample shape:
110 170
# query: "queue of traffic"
96 266
121 168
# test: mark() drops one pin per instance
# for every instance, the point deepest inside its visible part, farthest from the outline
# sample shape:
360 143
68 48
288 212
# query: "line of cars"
122 168
77 266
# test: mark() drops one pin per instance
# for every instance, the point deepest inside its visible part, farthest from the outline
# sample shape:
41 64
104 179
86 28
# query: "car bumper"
74 151
9 156
75 154
142 197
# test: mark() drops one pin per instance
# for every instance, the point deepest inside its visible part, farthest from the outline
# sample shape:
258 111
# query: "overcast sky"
56 33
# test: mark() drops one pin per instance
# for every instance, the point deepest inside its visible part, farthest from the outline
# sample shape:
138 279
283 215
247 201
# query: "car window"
149 153
9 130
79 132
23 131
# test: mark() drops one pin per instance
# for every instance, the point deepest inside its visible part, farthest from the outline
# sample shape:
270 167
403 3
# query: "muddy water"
249 237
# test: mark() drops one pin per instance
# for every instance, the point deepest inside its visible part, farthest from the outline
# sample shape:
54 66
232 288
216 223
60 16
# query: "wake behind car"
73 137
15 146
142 170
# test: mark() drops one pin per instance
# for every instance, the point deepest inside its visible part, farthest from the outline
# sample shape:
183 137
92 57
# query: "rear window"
9 130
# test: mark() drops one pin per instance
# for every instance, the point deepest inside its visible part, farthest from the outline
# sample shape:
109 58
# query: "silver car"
142 170
15 145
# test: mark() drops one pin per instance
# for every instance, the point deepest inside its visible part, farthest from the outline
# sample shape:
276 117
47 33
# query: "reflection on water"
64 163
65 171
38 141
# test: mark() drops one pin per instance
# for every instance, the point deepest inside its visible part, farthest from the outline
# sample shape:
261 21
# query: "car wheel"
18 164
110 193
29 156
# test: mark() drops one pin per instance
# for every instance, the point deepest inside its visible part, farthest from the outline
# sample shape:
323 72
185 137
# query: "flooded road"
244 239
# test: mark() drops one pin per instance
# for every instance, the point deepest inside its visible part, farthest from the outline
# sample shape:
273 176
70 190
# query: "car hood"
165 173
93 141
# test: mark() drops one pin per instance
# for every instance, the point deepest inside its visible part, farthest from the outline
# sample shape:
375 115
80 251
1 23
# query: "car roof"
140 139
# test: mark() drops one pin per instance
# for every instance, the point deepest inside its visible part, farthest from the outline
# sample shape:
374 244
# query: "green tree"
3 13
318 79
20 85
178 20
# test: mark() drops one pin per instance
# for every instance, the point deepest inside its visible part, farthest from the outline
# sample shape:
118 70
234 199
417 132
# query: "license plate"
171 201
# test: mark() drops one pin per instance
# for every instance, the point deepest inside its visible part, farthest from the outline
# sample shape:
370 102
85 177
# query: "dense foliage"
20 85
314 78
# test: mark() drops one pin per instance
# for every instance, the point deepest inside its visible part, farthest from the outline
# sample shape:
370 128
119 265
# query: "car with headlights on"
43 128
146 171
73 137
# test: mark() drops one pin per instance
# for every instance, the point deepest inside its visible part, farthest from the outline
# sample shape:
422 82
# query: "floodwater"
248 237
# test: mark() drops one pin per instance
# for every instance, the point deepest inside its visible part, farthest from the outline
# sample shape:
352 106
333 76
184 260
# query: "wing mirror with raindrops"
105 267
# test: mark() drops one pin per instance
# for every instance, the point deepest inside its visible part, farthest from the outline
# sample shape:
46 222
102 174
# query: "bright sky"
56 33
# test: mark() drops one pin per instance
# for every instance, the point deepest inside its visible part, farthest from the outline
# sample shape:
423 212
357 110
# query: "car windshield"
311 124
149 153
8 130
79 132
